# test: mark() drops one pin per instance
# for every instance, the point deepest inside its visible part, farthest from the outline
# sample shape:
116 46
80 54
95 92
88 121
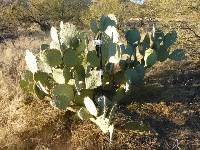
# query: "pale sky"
138 1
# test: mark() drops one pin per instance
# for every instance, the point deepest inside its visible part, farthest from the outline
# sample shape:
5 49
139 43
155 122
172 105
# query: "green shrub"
24 12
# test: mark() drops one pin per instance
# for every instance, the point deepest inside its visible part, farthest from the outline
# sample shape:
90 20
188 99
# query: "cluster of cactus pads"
69 70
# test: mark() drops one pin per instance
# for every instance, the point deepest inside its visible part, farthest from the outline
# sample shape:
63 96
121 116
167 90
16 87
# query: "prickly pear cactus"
100 118
91 80
57 70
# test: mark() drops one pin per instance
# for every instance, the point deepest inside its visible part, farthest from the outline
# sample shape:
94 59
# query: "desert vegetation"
158 109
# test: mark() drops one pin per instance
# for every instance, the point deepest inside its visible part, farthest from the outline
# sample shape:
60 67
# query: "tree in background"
43 12
17 12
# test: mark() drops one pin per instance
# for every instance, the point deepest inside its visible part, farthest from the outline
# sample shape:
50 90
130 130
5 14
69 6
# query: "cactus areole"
91 79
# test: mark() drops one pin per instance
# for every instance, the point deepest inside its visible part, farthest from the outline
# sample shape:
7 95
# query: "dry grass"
25 122
171 109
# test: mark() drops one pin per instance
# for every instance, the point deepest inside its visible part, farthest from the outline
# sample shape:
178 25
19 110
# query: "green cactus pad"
145 44
105 53
150 57
109 68
44 47
38 91
27 76
26 81
105 21
93 59
177 55
27 86
52 57
83 114
169 39
67 74
132 36
24 84
71 58
44 78
74 43
106 42
159 36
129 50
63 94
94 26
80 72
83 42
156 45
162 54
135 76
78 100
112 49
114 53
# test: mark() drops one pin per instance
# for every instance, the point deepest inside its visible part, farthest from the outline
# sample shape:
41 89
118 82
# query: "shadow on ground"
173 84
169 104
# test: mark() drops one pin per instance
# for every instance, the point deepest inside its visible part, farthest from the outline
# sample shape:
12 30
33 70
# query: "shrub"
18 13
54 10
171 9
92 80
101 7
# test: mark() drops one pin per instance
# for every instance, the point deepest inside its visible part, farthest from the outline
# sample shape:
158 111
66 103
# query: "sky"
138 1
